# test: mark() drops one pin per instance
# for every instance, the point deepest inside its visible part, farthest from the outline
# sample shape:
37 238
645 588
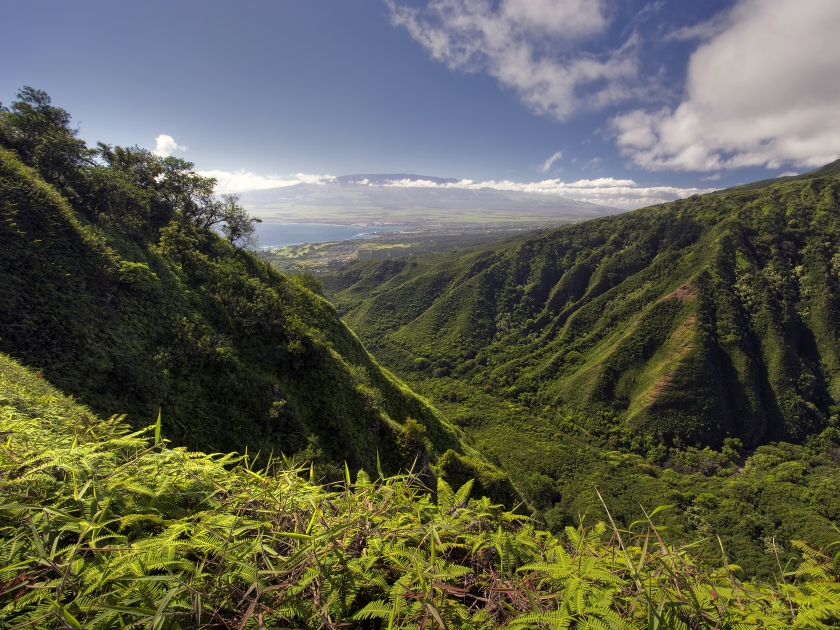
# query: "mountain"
828 169
235 354
697 320
664 354
376 198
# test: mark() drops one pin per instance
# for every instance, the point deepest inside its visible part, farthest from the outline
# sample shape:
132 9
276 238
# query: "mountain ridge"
662 354
553 298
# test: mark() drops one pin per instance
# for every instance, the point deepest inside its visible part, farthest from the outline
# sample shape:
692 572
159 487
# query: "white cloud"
166 146
762 92
240 181
788 174
547 164
527 46
608 191
702 31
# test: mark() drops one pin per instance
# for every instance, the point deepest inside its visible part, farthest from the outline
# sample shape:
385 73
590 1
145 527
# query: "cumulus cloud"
608 191
762 91
240 181
527 45
166 146
547 164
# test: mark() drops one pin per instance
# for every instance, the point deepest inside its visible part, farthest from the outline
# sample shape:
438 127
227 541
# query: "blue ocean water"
282 234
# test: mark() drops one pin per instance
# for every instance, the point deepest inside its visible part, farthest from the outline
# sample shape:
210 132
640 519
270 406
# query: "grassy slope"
104 529
684 324
236 354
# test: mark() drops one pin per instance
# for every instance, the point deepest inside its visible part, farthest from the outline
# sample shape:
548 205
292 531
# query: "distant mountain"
379 180
376 198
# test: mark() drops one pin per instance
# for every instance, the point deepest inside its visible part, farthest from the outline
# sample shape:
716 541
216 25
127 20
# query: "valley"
484 420
646 355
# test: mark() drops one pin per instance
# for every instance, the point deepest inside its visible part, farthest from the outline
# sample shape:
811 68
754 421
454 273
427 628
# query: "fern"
104 528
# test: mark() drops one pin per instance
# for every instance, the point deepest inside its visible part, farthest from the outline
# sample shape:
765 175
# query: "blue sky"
636 101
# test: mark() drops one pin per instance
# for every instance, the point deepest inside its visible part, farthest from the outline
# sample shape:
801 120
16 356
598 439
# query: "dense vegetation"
117 285
677 351
102 528
685 354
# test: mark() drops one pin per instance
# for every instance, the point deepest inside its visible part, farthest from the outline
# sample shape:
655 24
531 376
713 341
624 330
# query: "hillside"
698 320
102 528
659 353
117 287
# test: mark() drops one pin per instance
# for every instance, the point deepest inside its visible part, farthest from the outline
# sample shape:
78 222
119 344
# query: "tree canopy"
128 188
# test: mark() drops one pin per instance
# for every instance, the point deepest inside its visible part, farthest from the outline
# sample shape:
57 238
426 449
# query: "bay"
283 234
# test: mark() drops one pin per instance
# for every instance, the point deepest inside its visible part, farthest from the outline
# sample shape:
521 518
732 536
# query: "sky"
620 102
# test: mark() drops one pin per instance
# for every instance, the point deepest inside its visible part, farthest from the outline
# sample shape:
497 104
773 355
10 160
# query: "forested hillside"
695 321
648 354
123 283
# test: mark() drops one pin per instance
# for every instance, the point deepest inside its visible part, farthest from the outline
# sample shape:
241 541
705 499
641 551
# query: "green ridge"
694 321
676 351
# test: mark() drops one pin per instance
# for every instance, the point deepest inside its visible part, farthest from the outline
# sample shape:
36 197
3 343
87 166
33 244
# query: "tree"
238 225
127 188
41 136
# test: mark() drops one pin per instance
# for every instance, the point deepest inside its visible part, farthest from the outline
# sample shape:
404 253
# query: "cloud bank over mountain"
239 181
625 194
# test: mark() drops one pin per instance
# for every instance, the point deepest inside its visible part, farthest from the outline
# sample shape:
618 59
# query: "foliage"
693 322
238 226
103 528
118 288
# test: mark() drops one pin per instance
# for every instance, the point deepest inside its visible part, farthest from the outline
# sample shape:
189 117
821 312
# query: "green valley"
626 422
678 351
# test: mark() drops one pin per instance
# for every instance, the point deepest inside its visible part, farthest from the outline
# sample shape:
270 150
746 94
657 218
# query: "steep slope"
235 354
690 322
657 356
